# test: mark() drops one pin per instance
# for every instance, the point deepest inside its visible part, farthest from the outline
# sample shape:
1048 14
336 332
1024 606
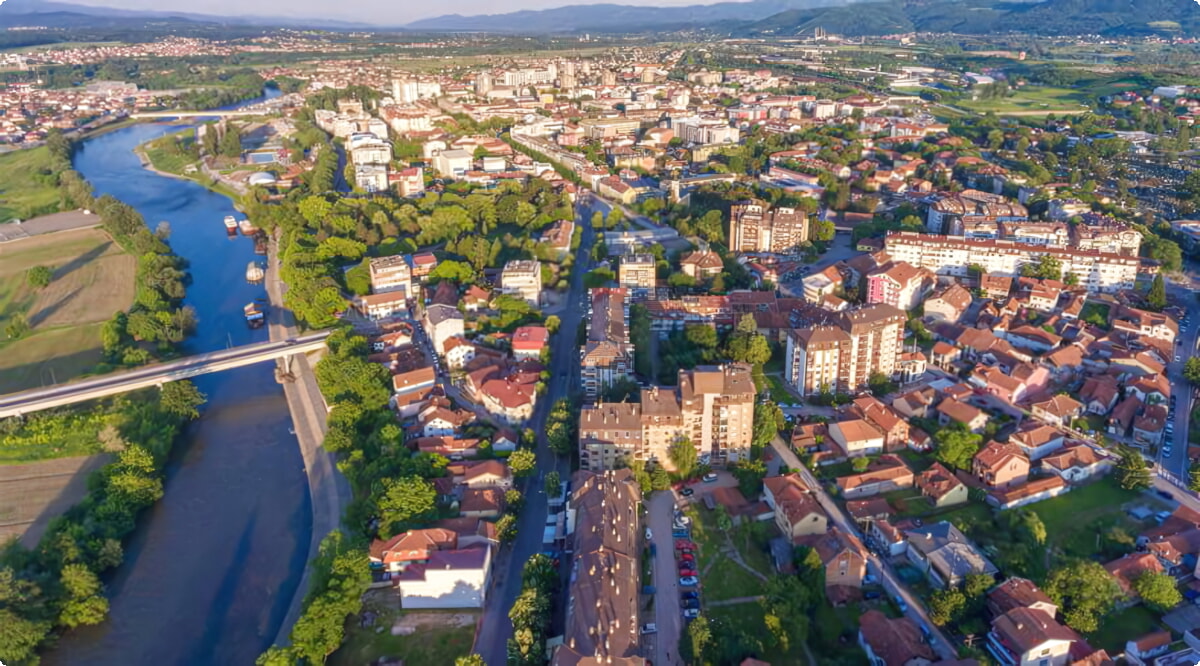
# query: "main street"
1176 464
495 628
893 586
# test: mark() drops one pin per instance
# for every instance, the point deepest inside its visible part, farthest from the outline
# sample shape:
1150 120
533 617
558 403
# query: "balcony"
996 647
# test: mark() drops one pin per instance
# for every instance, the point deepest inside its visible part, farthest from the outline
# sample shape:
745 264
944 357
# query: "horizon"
370 12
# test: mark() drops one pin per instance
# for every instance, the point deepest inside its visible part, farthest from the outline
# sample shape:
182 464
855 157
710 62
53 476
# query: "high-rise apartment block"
713 408
754 226
637 271
390 274
842 357
523 278
607 355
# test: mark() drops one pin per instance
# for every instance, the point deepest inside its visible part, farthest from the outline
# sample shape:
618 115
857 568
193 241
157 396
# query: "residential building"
407 548
892 641
371 177
637 271
607 356
381 306
1127 569
1037 440
1019 593
857 437
523 278
885 474
1076 463
944 554
1000 465
797 512
390 274
948 303
610 433
505 391
529 341
449 579
1030 637
843 356
441 323
845 562
945 255
952 410
453 163
754 226
702 264
941 486
1059 410
900 285
602 623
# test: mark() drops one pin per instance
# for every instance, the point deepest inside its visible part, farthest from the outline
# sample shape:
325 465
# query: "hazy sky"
390 12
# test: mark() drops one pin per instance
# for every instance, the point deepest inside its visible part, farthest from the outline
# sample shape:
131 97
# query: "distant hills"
1048 17
68 15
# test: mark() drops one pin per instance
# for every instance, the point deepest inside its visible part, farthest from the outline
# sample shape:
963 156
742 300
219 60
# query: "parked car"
682 544
653 550
648 589
687 492
649 628
680 534
901 605
687 572
690 603
649 535
711 477
691 613
687 557
690 594
688 581
871 594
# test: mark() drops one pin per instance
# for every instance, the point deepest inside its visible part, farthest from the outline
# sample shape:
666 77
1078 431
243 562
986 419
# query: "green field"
1031 101
93 279
164 155
435 641
26 187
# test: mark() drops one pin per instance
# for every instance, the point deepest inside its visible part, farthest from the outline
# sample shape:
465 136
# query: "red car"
687 557
684 573
684 544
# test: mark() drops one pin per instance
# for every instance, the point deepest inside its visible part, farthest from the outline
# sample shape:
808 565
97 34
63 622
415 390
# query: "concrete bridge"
199 114
25 402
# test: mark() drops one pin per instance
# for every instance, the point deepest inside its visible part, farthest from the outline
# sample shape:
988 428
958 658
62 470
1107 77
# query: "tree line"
57 586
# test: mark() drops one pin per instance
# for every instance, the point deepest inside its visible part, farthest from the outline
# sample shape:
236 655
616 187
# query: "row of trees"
532 611
57 586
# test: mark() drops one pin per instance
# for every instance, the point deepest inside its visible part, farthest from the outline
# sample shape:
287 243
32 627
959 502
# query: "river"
211 570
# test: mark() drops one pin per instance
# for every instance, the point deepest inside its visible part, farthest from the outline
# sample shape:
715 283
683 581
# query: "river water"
210 572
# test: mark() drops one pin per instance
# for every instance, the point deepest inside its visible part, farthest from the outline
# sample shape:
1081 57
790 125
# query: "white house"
449 579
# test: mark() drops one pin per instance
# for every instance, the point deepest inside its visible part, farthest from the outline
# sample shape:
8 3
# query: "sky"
383 12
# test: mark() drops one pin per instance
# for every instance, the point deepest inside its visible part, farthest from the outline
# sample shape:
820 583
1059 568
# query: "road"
1176 464
15 404
916 611
666 581
495 627
840 249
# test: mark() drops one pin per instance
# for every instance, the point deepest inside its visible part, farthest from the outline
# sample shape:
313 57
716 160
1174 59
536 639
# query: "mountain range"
754 18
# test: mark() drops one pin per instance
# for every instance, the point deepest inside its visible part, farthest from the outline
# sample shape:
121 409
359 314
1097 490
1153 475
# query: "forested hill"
1049 17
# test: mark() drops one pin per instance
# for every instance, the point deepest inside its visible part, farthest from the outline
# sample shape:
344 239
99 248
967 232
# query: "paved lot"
666 603
47 224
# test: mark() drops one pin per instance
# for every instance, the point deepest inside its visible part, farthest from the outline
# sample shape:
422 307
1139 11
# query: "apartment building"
713 407
637 271
900 285
944 255
754 226
390 274
602 624
841 357
371 177
607 355
523 278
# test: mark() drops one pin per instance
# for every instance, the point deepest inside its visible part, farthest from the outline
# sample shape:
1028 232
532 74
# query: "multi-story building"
371 177
607 355
756 227
371 151
713 408
900 285
637 271
390 273
842 357
1096 271
523 278
602 616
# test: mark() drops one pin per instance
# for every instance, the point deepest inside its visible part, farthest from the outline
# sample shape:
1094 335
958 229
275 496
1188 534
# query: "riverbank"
206 183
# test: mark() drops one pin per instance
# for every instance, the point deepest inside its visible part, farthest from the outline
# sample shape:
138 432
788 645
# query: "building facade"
843 356
754 226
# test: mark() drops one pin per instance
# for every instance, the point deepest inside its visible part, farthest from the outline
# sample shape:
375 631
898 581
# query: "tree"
553 483
469 660
522 462
1158 590
1047 267
405 501
746 345
684 457
1084 592
17 326
231 142
506 528
1156 299
1132 473
553 323
1194 478
19 637
39 277
695 640
701 335
880 384
945 606
85 604
182 399
956 446
513 500
768 421
1191 370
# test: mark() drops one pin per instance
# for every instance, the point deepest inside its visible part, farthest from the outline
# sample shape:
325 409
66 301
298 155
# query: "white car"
649 628
649 535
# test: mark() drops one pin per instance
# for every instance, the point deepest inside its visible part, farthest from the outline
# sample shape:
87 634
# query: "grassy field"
1079 520
437 638
1121 626
32 494
164 155
721 577
93 278
23 192
1032 100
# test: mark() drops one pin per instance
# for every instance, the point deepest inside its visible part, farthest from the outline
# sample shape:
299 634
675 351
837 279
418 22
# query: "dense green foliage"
1084 592
531 612
57 584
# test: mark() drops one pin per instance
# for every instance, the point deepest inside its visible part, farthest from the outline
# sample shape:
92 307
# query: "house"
883 475
1019 593
1000 465
948 303
857 437
1123 415
866 511
1099 394
1033 490
941 486
412 547
481 503
900 284
438 421
915 404
1126 570
702 264
892 642
488 474
1142 651
945 555
442 322
845 561
944 354
382 306
449 579
1075 463
885 419
1030 637
1148 428
1059 410
887 536
529 341
951 410
1037 440
797 512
